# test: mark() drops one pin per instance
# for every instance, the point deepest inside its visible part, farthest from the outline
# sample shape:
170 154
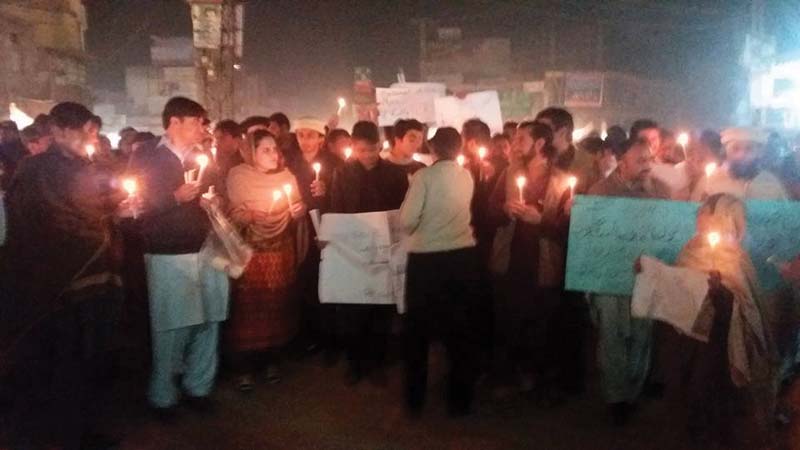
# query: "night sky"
309 49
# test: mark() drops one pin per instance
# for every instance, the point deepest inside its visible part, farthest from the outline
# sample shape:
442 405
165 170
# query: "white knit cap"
310 123
743 134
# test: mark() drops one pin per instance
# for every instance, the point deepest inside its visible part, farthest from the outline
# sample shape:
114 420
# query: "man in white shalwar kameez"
188 298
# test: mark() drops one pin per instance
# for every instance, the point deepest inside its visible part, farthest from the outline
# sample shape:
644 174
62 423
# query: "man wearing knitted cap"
60 292
742 174
317 320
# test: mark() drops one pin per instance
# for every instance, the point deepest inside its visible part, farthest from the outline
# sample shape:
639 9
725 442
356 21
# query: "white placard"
453 111
673 295
408 101
363 261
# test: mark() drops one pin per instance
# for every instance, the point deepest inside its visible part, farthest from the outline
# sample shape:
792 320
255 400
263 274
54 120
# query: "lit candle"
416 157
710 169
214 152
461 160
482 152
386 145
317 167
713 240
90 149
683 139
342 104
348 152
287 188
202 161
129 184
276 196
572 182
521 185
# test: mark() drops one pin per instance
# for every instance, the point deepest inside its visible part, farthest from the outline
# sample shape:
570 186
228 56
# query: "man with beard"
742 174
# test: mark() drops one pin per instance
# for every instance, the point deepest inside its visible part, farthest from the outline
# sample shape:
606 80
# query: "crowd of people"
488 225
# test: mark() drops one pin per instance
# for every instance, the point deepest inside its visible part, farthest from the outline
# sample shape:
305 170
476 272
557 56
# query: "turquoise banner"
607 234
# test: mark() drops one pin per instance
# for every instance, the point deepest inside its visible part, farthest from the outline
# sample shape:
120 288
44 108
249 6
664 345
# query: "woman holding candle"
264 310
534 274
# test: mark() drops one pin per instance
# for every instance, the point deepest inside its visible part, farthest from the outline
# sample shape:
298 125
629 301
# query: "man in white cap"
317 320
742 175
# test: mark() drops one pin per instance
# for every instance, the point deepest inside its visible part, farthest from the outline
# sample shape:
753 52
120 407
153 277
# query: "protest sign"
364 259
408 100
453 111
607 234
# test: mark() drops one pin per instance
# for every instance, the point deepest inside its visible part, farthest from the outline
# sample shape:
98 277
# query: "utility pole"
217 31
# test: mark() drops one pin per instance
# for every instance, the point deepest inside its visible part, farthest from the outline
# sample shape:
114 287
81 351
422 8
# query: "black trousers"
56 374
440 297
317 321
365 330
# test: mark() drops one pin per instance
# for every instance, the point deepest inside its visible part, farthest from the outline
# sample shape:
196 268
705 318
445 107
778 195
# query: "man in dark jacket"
188 298
366 184
60 296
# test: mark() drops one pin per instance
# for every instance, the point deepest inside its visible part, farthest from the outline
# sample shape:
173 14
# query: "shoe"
246 383
168 415
203 405
97 441
273 374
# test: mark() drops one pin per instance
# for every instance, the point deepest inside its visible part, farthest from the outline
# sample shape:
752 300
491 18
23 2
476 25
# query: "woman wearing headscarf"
534 275
265 203
733 370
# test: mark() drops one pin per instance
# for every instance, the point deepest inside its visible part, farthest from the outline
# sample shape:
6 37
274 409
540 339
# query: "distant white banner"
453 111
408 101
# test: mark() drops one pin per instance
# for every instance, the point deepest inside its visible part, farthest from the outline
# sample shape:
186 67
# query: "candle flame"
276 195
348 152
342 102
202 161
710 169
482 152
416 157
521 181
461 160
713 239
683 139
129 184
214 151
572 182
386 145
90 150
288 189
317 167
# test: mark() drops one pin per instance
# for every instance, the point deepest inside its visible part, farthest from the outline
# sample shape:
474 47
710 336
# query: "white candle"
214 153
276 196
572 182
710 169
348 152
342 104
317 167
287 188
202 161
461 160
521 185
90 150
713 240
129 184
683 140
482 152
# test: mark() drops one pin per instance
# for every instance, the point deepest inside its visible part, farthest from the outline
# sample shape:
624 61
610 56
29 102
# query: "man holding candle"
60 289
318 321
188 297
624 343
366 184
742 174
534 274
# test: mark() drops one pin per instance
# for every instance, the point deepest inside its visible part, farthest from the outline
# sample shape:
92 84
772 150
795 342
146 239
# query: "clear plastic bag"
225 248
